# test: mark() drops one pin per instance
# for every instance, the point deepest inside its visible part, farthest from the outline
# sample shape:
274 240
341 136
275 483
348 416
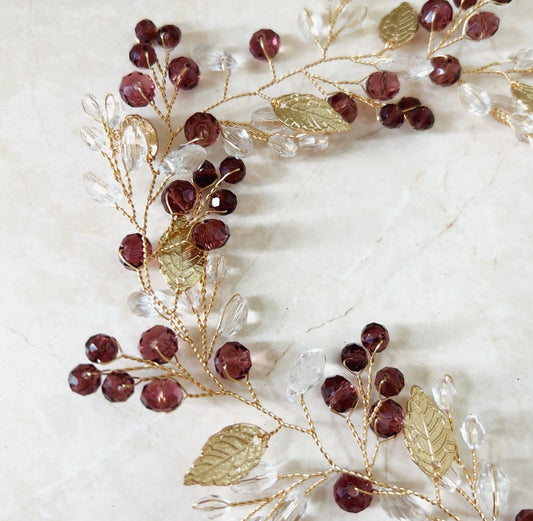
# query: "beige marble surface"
427 233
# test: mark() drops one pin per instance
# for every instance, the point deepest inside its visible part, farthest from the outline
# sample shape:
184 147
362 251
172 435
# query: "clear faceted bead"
523 59
142 304
113 111
292 508
260 479
314 142
283 146
402 508
505 103
524 138
349 18
453 479
212 506
473 432
311 26
134 147
522 123
237 142
407 66
216 268
212 58
306 372
94 138
191 299
474 99
265 120
234 316
444 392
493 489
185 160
91 107
102 189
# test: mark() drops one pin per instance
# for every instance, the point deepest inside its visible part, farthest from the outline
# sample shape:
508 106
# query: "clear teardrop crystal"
212 58
522 123
311 26
403 508
185 160
143 305
474 99
444 392
283 146
523 59
234 316
292 508
306 372
314 142
134 147
473 432
94 138
215 268
260 479
91 107
191 299
102 189
113 111
237 142
524 138
212 506
453 479
419 69
349 18
505 103
407 66
493 489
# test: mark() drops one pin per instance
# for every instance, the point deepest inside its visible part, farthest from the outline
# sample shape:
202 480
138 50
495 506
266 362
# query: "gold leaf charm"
428 434
523 94
399 26
148 130
182 263
309 114
228 456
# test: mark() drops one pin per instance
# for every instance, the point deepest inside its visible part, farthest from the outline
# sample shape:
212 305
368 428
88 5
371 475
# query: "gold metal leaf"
399 26
182 263
309 114
228 456
428 434
148 130
523 94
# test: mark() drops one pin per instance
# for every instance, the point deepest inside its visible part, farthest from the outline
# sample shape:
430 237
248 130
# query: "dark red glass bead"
84 379
202 128
525 515
118 386
233 360
179 197
169 36
162 395
408 103
344 105
481 26
234 168
210 234
374 337
224 201
142 55
502 1
131 251
389 381
435 15
184 73
465 4
352 493
446 70
158 344
354 357
391 116
137 89
146 31
101 348
263 43
388 420
382 85
339 394
420 118
206 175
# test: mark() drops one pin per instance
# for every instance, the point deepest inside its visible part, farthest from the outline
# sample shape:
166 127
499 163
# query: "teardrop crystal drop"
522 123
113 111
314 142
349 18
283 146
453 479
212 58
444 392
215 268
191 299
94 138
237 142
474 99
260 479
523 59
134 147
212 506
292 508
234 316
104 190
306 372
183 161
311 26
473 432
403 508
142 304
91 107
493 489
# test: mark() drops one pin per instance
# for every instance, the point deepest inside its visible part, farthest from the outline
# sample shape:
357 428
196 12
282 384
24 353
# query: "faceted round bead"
101 348
206 175
224 201
409 103
202 128
210 234
482 25
354 357
502 1
420 118
158 344
446 70
525 515
389 381
118 386
179 197
435 15
263 43
137 89
388 420
374 336
184 73
169 36
142 55
339 394
465 4
84 379
233 360
131 252
146 31
162 395
352 493
391 116
382 85
233 166
344 105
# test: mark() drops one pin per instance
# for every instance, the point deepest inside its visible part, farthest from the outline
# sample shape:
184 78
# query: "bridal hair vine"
198 354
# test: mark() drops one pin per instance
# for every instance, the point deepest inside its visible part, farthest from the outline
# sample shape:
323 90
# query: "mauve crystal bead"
142 55
481 26
223 201
101 348
179 197
84 379
409 103
146 31
234 168
233 361
352 493
202 128
131 252
388 420
339 394
118 386
344 105
382 85
389 381
206 175
446 70
374 336
210 234
162 395
184 73
420 118
391 116
354 357
269 47
158 344
169 36
137 89
465 4
435 15
525 515
502 1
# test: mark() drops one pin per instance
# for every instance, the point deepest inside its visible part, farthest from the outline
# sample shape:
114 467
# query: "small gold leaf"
523 94
228 456
428 434
309 114
399 26
148 130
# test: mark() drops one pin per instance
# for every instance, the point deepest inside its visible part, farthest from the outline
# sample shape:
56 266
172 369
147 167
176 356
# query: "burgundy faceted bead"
233 361
202 128
206 175
502 1
389 381
162 395
137 89
263 43
84 379
525 515
184 73
131 252
169 36
354 357
142 55
409 103
465 4
420 118
374 336
224 201
344 105
101 348
388 420
146 31
118 386
179 197
446 70
482 25
352 493
233 166
159 344
339 394
391 116
210 234
435 15
382 85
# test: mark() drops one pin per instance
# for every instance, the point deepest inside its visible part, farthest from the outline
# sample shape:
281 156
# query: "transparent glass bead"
237 142
474 99
407 66
216 268
113 111
104 190
143 305
402 508
453 479
212 506
506 103
444 392
292 509
349 18
311 26
134 147
473 432
265 120
94 138
234 316
493 489
212 58
306 372
283 146
524 138
260 479
314 142
190 299
522 123
185 160
91 107
523 59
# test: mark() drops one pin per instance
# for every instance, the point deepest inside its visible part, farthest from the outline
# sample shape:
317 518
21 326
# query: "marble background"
427 233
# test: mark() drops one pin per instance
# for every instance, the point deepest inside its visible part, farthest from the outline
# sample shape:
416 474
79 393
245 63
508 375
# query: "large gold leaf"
428 434
524 94
399 26
309 114
228 456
